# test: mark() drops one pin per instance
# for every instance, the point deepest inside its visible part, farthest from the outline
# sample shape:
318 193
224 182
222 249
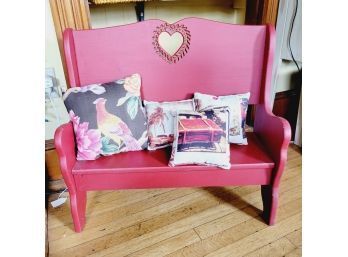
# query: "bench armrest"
64 141
275 133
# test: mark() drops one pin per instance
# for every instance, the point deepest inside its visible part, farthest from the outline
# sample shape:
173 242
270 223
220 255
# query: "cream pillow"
237 106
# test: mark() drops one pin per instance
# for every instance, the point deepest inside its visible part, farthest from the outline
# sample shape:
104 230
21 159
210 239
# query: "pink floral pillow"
108 118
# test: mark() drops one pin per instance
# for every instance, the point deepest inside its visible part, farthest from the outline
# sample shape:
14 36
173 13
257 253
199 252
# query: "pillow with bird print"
160 121
108 118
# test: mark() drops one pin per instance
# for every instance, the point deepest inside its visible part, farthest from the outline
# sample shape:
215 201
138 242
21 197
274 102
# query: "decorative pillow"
237 106
201 138
160 121
108 118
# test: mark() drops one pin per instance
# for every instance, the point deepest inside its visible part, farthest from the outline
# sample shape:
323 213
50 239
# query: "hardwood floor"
184 222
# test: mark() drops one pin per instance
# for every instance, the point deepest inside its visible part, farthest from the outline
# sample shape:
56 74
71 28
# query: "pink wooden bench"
220 59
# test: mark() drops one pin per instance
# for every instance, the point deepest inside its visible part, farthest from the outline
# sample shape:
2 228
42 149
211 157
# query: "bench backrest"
222 59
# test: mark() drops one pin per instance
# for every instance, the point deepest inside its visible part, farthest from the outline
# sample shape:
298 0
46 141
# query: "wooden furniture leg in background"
54 180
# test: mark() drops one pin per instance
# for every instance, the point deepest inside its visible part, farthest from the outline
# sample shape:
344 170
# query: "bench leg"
270 203
78 209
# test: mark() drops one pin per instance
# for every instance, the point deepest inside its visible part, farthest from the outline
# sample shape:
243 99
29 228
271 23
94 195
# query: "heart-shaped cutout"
171 41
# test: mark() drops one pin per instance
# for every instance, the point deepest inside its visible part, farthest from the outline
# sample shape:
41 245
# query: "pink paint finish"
274 132
252 156
222 59
64 141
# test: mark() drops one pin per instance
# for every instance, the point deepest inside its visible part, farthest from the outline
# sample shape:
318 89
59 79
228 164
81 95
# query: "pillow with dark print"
107 118
201 138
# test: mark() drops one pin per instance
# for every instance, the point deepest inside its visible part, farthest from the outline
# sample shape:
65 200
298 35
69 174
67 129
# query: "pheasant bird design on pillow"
113 127
108 118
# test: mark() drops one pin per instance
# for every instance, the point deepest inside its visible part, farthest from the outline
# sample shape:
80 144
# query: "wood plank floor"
184 222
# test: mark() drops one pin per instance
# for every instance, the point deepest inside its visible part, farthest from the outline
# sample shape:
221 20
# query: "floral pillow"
237 107
108 118
160 121
201 138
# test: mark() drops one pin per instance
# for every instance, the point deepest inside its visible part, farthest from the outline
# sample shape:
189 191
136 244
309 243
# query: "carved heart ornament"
171 41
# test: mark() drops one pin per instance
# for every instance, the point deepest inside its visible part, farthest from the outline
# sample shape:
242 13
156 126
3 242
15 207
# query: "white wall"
283 69
52 54
286 72
53 60
296 35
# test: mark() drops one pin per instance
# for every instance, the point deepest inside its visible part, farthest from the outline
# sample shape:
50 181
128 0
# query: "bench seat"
251 156
250 164
233 59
